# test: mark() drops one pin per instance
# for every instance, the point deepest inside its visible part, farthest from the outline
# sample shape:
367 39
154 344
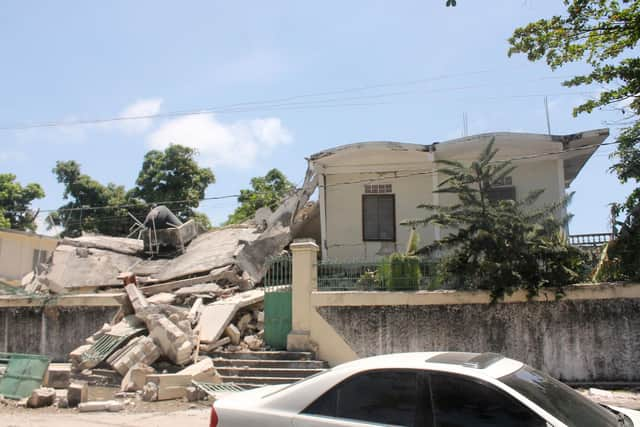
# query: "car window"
384 397
459 401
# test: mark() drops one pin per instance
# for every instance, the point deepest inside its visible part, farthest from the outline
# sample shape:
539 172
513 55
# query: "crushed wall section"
50 330
579 340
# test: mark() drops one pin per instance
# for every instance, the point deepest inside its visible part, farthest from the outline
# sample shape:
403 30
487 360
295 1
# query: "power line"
277 103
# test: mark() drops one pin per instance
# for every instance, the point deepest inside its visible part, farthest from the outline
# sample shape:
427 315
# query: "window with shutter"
378 217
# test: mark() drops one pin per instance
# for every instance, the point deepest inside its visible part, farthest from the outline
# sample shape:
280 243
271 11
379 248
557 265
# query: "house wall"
342 204
344 214
17 253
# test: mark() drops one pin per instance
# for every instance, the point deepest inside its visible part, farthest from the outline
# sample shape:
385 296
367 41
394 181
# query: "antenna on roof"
546 110
465 124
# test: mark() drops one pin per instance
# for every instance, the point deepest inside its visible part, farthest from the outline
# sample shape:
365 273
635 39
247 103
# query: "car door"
459 401
381 397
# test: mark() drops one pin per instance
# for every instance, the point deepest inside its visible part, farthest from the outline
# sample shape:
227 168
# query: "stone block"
144 351
169 386
233 333
203 371
173 342
136 378
41 397
58 375
77 393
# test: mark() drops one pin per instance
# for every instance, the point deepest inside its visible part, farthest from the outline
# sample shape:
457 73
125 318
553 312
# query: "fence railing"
594 239
279 272
374 276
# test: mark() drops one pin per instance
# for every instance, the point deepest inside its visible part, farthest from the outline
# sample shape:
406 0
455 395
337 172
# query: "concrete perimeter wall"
52 328
592 334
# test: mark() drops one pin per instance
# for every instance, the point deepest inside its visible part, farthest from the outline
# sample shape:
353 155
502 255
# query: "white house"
368 188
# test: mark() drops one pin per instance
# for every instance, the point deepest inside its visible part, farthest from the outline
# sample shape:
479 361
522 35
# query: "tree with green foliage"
166 177
605 35
15 203
498 245
266 191
93 207
173 177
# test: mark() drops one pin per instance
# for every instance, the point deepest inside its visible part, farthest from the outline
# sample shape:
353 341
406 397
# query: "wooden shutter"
378 217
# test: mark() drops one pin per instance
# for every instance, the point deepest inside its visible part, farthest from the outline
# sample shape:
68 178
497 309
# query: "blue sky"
423 65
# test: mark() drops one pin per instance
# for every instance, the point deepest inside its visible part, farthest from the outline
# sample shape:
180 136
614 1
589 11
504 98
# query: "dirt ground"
175 413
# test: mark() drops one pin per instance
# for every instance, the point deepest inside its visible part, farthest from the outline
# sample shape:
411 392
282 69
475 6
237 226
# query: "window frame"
378 239
423 413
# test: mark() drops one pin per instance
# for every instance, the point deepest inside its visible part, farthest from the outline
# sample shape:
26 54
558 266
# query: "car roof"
474 364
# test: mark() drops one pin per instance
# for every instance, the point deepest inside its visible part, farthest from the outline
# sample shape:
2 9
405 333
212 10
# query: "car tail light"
213 422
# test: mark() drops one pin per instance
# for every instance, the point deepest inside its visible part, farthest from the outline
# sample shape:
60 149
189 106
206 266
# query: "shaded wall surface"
50 330
574 340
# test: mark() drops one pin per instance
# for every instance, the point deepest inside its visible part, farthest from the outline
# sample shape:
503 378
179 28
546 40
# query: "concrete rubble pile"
177 310
164 343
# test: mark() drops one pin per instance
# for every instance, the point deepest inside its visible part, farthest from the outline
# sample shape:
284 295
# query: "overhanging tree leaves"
15 203
604 34
92 207
173 175
266 191
498 245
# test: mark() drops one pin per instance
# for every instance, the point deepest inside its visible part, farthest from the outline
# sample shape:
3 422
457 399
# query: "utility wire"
277 103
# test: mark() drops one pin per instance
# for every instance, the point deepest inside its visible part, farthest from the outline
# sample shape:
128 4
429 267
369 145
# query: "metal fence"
374 276
279 271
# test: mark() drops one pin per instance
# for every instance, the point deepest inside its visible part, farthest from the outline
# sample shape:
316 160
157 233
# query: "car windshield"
559 400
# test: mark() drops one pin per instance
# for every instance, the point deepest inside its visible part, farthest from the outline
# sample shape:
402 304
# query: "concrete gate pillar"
304 282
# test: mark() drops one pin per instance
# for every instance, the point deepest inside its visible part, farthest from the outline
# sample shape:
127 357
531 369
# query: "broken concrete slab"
71 268
208 251
41 397
254 342
120 245
77 393
217 316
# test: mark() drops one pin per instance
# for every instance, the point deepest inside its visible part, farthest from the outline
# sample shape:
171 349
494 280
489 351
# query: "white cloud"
140 108
238 144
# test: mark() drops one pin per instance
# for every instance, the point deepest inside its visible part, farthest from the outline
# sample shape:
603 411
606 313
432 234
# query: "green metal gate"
277 302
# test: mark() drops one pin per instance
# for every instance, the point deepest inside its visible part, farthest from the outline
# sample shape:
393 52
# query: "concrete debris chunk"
173 342
136 378
162 298
217 316
41 397
168 386
195 311
150 392
244 321
76 355
77 393
194 394
233 333
144 351
203 371
138 300
204 288
101 406
58 375
254 342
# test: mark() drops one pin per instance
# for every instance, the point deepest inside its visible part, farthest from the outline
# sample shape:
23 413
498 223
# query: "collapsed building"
185 294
